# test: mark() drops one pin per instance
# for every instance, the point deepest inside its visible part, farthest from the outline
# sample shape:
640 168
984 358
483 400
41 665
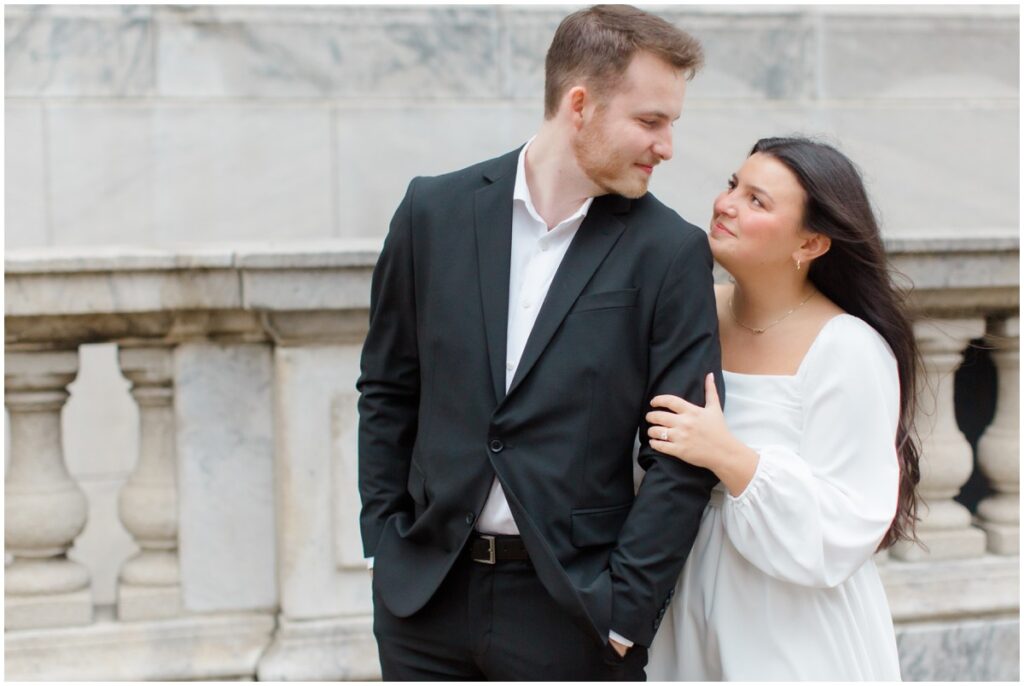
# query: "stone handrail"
243 504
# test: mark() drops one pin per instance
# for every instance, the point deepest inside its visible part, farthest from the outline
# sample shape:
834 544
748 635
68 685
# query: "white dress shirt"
536 254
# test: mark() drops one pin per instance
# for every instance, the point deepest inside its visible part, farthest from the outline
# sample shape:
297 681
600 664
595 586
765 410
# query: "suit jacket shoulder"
469 178
661 223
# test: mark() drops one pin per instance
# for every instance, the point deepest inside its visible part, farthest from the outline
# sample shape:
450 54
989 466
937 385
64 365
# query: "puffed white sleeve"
816 517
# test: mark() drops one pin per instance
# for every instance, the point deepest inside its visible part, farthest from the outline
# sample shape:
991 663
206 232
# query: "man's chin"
632 191
624 187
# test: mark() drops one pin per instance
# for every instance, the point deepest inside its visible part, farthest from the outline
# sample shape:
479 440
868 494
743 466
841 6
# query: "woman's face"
757 221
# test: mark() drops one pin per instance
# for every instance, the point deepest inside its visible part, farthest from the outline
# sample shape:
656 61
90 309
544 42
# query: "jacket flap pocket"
598 525
606 300
417 485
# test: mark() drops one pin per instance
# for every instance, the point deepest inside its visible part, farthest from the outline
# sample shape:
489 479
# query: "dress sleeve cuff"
755 484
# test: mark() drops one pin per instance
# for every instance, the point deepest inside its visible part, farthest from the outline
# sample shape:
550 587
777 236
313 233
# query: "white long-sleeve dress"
781 582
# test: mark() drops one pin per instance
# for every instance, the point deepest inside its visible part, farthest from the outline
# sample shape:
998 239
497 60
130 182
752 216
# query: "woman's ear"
813 247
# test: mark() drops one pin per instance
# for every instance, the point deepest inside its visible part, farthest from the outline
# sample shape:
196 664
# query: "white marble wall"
159 125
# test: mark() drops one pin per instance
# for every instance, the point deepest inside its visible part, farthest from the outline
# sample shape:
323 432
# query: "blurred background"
151 148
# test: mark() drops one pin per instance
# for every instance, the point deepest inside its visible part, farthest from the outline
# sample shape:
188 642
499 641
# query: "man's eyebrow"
656 113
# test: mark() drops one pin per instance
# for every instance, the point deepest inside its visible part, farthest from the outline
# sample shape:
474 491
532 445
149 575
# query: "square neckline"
800 367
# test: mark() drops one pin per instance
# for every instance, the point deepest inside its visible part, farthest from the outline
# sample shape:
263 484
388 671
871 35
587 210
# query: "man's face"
623 139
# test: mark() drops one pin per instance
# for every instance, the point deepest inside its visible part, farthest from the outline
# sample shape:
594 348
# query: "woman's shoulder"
847 342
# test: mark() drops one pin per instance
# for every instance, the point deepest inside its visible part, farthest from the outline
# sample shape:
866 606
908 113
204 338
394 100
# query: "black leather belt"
487 549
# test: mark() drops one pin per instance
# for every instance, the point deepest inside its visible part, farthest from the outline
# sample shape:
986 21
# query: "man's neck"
558 187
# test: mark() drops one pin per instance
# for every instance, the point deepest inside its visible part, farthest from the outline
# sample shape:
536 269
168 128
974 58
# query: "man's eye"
731 184
648 122
756 200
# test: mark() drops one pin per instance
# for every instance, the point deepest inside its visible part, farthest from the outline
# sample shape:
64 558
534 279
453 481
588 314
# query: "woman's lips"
718 226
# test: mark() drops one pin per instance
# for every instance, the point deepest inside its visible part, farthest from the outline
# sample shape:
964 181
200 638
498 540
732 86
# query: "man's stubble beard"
605 165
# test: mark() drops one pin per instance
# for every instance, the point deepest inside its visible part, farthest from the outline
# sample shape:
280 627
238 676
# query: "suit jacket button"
470 517
496 446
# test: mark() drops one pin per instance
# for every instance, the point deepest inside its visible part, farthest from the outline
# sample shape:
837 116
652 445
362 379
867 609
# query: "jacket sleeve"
662 524
814 517
389 382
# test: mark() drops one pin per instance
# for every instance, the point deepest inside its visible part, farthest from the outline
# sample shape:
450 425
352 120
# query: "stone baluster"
946 458
149 584
44 509
999 447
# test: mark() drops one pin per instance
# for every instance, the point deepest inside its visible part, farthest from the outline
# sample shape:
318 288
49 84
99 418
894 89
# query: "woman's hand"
699 436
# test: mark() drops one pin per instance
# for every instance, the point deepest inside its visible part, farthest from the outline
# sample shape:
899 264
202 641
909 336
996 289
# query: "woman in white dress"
814 450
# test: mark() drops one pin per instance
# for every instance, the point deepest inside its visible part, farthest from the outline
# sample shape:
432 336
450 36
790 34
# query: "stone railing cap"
324 254
977 241
349 252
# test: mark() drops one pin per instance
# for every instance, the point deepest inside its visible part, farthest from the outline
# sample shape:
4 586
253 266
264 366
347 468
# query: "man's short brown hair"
596 45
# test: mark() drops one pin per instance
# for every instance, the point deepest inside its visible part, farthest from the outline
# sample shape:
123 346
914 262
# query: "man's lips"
649 168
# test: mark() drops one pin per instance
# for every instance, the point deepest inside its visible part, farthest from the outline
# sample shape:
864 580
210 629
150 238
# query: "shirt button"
496 446
544 247
526 305
470 517
509 366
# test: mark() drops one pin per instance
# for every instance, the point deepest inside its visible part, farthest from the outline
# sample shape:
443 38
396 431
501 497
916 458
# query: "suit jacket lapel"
595 238
493 218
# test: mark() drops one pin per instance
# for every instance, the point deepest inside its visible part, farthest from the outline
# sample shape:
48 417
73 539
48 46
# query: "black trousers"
495 622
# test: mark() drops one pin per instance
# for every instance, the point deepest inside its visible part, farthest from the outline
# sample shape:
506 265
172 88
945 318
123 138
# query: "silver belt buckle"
491 557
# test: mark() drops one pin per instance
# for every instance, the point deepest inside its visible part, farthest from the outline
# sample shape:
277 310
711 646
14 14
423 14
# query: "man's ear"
576 99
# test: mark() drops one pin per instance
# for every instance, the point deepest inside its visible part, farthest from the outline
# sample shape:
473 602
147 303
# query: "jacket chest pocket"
606 300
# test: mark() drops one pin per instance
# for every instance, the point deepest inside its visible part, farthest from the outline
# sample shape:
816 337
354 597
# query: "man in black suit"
523 313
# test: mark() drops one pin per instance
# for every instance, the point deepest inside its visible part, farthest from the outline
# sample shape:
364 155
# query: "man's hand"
618 647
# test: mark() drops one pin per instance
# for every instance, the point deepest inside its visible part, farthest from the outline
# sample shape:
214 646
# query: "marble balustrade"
242 502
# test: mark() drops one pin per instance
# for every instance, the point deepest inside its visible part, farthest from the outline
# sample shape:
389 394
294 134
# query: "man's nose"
663 145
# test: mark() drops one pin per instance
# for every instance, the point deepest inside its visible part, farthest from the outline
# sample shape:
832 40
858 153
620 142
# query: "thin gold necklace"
756 330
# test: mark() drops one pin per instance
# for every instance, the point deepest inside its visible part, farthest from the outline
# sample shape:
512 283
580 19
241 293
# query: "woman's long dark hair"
855 275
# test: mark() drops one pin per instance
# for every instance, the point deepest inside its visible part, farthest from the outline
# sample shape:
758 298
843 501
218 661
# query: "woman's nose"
724 204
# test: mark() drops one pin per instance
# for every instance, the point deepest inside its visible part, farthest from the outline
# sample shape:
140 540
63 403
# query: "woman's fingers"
711 392
659 418
665 447
660 433
673 403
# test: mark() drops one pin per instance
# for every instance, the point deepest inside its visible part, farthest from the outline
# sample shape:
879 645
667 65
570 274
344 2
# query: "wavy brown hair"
855 274
596 45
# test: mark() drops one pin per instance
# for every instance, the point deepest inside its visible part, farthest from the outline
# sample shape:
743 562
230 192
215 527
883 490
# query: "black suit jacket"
630 314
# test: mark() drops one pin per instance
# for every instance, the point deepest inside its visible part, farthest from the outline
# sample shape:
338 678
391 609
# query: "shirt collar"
521 191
